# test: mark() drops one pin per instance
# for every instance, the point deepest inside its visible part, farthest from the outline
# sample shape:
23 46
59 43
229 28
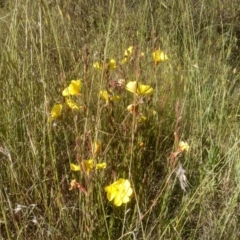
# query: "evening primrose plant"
120 191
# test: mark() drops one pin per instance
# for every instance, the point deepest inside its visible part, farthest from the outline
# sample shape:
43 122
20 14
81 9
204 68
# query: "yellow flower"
110 64
128 55
105 96
71 104
120 191
101 166
159 56
97 65
75 167
128 52
56 112
183 146
73 88
139 89
87 166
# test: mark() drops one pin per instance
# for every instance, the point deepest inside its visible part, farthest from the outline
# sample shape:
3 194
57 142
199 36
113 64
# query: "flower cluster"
72 90
120 191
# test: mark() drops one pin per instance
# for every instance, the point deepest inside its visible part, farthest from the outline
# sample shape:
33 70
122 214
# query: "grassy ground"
46 44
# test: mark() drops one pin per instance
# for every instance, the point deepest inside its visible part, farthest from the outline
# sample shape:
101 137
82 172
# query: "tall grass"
46 44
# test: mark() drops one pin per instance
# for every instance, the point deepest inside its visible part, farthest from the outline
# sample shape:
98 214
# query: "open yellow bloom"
73 88
139 89
159 56
71 104
120 191
183 146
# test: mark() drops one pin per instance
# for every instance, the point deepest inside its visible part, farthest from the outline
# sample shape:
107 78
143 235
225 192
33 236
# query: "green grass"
46 44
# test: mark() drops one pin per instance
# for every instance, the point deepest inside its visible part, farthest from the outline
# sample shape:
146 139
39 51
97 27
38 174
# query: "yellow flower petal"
97 65
56 110
75 167
145 90
139 89
111 192
104 95
118 200
132 86
101 166
112 64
